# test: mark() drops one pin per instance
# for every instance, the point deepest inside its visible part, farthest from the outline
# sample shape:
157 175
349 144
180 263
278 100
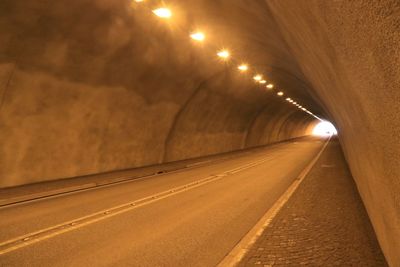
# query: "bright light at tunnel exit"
324 128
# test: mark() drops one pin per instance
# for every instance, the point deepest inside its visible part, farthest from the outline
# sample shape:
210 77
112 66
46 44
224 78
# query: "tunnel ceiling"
90 86
119 42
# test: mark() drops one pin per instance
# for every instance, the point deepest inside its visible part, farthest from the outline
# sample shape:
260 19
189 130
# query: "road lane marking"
328 165
37 236
245 244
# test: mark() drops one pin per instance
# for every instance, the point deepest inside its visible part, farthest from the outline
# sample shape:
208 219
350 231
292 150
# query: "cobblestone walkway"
324 223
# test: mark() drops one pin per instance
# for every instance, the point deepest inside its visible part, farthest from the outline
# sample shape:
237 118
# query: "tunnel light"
270 86
289 99
304 109
280 93
263 82
224 54
324 128
243 67
294 103
139 1
198 36
163 12
257 77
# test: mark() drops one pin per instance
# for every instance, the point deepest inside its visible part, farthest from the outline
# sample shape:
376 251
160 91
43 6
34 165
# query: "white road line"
244 245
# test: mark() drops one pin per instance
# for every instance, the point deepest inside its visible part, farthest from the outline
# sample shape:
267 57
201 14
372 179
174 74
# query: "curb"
15 200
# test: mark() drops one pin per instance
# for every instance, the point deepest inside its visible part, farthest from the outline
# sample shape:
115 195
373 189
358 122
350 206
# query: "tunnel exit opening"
324 128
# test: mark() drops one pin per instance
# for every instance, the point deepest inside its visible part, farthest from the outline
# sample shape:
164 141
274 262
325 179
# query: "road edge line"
244 245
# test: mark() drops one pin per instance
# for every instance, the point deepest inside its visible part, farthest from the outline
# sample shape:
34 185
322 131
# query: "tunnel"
96 86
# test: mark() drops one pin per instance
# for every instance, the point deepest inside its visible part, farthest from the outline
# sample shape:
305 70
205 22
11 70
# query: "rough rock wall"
89 86
350 52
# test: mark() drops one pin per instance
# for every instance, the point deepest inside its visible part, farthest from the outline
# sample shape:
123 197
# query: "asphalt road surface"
192 217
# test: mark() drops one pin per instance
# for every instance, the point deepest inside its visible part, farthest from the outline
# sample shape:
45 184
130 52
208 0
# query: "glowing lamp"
223 54
163 12
243 67
198 36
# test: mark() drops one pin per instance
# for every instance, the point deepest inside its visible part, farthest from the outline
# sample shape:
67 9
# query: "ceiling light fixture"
258 77
163 12
243 67
224 54
198 36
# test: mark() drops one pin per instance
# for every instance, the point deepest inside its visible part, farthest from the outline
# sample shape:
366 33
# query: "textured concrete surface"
349 52
95 86
323 224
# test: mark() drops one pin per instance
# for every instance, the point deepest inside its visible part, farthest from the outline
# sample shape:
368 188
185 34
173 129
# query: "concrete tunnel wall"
349 51
96 86
93 86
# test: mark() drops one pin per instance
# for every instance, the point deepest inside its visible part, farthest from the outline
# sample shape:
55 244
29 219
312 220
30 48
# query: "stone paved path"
324 223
